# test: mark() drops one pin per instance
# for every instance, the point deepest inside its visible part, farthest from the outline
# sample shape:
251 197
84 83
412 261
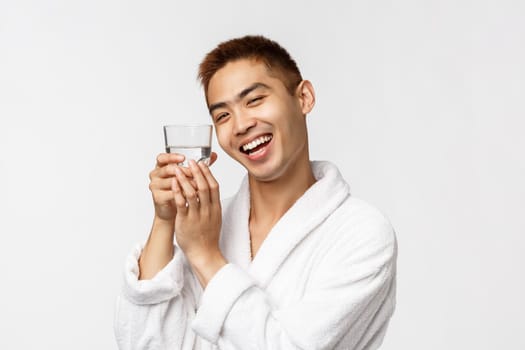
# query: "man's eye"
221 116
255 100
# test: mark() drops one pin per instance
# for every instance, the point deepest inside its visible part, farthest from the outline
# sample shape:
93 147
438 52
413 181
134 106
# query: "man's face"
257 121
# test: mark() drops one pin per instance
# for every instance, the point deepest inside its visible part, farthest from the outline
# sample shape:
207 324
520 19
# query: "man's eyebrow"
250 88
214 106
240 96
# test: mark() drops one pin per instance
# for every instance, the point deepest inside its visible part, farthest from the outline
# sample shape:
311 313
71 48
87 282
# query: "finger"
213 157
168 170
188 190
161 184
178 197
186 171
212 183
162 172
203 189
166 158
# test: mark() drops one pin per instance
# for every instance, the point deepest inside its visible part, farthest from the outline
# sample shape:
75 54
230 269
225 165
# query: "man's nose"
243 123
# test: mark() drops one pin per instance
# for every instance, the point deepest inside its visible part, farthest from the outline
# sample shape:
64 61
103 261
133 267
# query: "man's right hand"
161 183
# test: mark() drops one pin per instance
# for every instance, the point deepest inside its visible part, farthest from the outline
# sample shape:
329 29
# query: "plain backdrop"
420 104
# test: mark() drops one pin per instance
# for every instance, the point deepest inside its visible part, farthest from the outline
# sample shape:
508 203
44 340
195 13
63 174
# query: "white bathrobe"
324 278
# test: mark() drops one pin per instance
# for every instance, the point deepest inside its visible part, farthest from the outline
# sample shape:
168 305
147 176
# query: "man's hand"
161 183
158 250
199 218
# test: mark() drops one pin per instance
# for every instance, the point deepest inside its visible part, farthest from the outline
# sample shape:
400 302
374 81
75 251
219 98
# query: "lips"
256 144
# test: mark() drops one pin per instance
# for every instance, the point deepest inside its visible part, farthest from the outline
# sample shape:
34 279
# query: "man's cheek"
223 142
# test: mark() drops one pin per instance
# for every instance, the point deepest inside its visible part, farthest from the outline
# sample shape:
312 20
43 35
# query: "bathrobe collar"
312 208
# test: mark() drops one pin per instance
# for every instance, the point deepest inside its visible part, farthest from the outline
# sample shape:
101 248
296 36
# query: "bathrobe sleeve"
348 301
156 313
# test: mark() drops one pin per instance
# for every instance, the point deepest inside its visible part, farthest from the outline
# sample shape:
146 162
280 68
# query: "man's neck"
269 201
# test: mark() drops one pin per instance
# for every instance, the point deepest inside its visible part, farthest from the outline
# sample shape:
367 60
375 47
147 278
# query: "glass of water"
192 141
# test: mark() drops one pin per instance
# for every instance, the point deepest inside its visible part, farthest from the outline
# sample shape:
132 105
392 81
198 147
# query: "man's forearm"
158 250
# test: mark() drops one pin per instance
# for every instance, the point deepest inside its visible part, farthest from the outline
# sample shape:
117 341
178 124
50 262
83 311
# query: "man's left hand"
198 220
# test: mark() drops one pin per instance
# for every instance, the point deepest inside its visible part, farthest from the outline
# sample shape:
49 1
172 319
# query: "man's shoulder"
359 218
358 207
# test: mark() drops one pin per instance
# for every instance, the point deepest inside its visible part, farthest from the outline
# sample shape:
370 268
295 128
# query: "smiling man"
292 261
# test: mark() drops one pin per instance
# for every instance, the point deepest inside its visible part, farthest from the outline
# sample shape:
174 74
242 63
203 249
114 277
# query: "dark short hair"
255 47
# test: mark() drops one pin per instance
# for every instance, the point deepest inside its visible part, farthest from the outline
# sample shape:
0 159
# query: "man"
292 261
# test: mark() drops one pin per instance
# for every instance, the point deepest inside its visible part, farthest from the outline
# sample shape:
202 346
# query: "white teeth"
256 142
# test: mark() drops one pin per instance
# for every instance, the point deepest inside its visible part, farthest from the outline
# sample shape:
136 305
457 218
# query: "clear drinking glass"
192 141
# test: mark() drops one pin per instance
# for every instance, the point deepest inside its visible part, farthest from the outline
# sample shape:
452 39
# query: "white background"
420 104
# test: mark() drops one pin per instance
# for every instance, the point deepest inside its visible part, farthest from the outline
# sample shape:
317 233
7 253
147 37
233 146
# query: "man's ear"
306 95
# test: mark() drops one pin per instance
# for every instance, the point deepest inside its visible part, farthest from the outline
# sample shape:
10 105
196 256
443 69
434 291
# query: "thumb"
213 158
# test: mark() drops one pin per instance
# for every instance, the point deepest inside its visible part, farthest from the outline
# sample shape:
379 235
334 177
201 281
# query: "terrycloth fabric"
324 278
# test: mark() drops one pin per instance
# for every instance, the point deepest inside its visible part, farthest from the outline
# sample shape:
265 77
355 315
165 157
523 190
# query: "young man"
292 261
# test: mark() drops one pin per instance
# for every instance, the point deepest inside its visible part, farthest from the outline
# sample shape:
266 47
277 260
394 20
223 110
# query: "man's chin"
265 174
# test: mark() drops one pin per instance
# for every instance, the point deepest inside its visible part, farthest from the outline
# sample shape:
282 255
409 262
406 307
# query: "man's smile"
256 144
